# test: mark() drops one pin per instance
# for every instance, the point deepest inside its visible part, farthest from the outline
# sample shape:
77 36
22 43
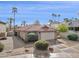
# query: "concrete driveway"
18 43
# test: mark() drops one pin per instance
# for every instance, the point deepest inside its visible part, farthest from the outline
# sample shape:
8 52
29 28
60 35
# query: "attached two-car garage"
47 35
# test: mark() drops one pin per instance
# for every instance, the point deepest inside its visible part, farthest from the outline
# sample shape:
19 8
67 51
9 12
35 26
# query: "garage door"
47 35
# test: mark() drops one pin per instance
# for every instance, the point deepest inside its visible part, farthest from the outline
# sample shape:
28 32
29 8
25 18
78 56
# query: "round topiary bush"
32 37
73 37
1 47
41 45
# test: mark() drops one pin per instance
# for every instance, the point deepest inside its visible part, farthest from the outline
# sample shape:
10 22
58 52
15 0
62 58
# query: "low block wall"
64 34
8 43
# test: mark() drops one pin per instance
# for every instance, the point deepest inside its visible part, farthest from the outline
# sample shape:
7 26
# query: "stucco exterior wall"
2 28
23 35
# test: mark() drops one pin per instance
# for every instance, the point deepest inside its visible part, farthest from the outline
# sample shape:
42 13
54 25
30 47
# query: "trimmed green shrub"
62 28
1 47
41 45
73 37
32 37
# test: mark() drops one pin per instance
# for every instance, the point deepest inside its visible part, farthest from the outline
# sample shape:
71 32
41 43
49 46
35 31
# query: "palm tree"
50 22
76 19
10 20
54 15
66 20
14 11
21 25
24 22
37 22
58 16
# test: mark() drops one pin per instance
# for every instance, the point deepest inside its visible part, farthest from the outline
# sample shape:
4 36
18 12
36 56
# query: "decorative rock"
51 49
26 50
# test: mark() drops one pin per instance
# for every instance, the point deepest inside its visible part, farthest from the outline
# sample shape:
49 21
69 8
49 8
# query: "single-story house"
43 32
74 25
54 24
2 29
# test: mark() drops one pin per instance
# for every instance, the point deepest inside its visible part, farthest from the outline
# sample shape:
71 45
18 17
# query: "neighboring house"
53 24
2 29
43 32
74 25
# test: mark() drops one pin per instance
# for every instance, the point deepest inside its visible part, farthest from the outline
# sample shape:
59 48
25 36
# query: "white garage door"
47 35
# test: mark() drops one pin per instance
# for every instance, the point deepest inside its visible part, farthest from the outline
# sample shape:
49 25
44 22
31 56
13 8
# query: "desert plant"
62 28
32 37
41 45
1 47
73 37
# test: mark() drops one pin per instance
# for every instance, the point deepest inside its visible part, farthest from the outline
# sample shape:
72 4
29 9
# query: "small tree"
50 22
41 45
62 28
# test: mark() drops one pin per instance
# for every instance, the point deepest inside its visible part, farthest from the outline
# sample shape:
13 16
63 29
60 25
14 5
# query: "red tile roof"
38 28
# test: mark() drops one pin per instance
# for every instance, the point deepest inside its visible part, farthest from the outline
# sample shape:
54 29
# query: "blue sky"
41 10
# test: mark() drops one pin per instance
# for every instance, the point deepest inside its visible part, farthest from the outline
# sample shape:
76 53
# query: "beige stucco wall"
23 35
64 35
2 28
